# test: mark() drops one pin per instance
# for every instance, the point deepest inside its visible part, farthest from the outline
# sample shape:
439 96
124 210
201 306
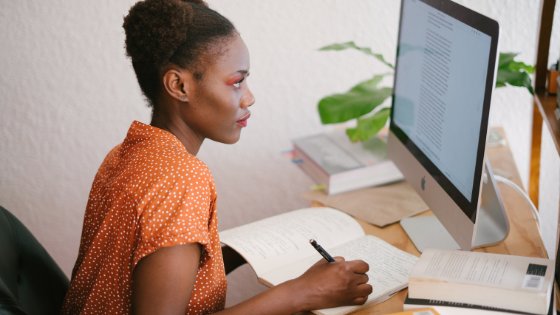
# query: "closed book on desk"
278 249
503 281
332 160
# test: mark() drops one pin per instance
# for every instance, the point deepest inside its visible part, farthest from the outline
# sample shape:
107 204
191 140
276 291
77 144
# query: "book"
515 283
333 161
457 308
278 249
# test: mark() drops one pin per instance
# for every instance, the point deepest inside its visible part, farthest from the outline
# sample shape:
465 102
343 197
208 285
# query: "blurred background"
68 95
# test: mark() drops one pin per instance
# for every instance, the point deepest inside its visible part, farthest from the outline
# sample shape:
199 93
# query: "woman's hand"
339 283
323 285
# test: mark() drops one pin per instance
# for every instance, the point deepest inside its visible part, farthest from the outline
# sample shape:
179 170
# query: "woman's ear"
176 82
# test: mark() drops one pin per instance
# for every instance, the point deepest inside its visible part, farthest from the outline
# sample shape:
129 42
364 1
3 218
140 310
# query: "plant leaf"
514 65
505 58
368 85
515 73
368 127
521 79
352 45
357 102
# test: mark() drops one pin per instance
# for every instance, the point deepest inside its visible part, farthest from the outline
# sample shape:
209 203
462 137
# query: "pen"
321 251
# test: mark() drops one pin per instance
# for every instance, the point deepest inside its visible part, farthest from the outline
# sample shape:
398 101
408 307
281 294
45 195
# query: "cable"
518 189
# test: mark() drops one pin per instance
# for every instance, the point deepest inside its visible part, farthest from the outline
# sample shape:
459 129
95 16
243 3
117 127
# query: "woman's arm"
323 285
162 282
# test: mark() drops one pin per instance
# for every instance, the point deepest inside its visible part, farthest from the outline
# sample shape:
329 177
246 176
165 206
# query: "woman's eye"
238 83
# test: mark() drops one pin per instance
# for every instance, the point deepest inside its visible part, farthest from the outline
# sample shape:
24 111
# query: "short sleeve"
175 210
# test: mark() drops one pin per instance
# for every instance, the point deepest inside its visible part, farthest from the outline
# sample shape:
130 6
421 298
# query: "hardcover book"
331 160
514 283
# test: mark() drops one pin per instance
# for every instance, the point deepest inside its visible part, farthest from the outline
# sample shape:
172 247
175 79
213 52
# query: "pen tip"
311 241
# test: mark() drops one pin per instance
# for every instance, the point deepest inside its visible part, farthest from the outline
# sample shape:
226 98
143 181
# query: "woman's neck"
174 125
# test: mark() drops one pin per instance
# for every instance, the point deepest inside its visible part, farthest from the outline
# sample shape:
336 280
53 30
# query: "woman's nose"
248 99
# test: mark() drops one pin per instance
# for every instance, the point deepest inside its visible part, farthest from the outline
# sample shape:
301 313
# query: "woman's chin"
230 139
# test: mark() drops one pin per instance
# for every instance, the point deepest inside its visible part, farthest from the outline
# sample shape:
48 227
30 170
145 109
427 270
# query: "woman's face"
218 103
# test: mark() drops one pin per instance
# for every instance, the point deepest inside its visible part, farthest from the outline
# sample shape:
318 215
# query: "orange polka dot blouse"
149 193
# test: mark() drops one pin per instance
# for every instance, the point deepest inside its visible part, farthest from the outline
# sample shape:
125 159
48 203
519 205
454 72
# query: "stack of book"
460 282
338 165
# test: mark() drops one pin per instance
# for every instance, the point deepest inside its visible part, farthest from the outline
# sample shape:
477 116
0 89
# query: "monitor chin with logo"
444 78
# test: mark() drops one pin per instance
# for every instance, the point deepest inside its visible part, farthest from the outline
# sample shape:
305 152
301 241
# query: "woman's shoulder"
158 154
170 156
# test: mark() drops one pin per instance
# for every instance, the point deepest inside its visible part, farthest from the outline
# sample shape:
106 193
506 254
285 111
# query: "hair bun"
150 28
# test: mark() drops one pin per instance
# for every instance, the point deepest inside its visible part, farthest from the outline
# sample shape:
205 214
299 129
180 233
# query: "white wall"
68 94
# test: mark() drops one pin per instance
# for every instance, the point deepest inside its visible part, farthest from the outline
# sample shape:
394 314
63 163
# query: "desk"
523 238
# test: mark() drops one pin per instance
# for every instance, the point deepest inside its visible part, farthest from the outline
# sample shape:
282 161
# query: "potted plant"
365 102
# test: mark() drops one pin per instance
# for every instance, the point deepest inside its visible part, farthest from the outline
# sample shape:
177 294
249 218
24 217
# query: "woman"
150 242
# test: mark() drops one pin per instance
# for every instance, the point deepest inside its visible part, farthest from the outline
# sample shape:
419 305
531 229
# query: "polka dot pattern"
149 193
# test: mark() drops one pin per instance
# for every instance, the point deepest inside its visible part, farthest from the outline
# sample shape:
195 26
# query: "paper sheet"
380 205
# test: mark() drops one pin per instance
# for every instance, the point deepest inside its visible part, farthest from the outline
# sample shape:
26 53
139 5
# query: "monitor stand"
491 226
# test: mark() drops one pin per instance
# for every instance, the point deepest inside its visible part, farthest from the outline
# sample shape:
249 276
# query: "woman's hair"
164 32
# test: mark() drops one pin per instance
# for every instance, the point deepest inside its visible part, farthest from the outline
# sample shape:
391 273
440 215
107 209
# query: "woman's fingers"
358 266
362 291
362 278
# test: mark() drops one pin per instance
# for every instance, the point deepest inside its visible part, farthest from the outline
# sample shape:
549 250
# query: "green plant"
363 101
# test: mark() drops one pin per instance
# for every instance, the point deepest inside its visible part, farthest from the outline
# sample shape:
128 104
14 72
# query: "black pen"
321 251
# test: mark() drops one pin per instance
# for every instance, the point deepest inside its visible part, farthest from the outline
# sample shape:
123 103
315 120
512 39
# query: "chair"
30 280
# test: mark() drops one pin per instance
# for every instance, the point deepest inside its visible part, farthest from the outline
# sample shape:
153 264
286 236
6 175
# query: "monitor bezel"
490 28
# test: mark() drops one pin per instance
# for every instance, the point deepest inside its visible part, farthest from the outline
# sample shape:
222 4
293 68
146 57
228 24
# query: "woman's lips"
243 121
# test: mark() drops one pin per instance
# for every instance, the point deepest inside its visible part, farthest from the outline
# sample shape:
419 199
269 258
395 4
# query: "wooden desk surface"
523 238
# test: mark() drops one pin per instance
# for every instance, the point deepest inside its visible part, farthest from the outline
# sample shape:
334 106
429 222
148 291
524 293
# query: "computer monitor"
444 78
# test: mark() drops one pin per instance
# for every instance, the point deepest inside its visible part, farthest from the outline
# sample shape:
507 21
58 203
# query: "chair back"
30 280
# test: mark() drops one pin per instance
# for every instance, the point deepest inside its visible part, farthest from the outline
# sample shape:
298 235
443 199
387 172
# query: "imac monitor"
444 77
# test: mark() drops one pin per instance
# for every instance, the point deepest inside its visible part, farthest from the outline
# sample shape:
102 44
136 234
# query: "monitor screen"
441 97
444 78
